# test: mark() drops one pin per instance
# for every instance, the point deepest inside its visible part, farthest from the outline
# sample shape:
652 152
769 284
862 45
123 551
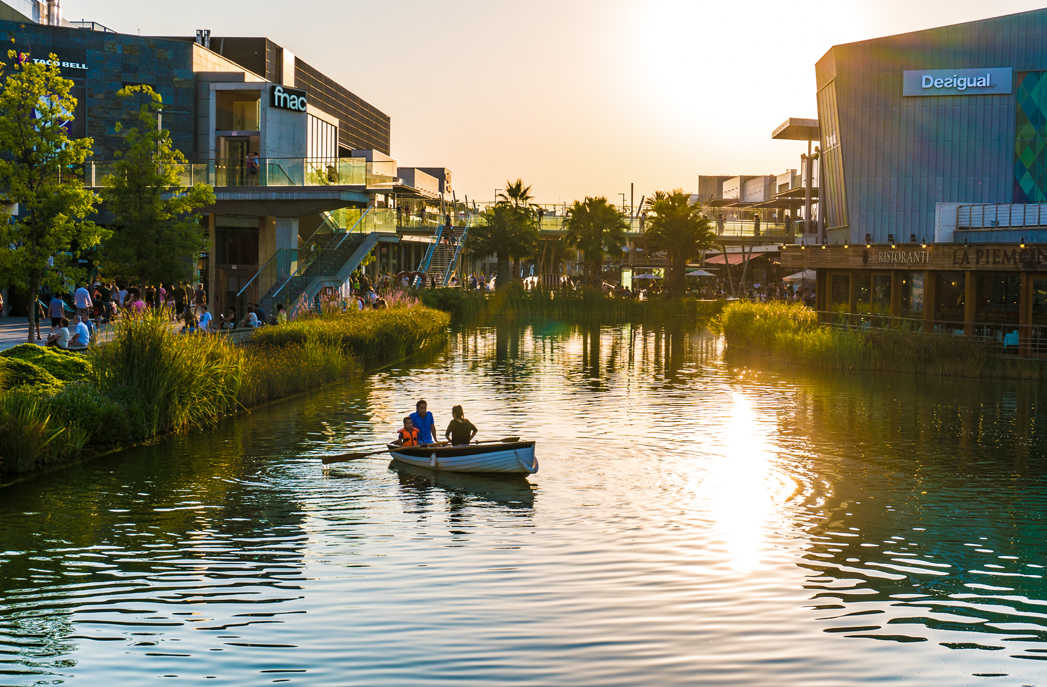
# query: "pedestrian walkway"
13 329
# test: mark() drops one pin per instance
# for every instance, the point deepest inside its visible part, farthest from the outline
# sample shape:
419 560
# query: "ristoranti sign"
979 81
287 99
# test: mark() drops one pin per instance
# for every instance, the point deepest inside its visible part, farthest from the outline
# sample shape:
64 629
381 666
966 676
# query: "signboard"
287 99
979 81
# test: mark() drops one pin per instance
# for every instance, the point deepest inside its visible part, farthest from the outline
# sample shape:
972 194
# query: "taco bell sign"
979 81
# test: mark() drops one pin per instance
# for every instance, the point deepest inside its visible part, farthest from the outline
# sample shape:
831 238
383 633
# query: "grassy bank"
568 306
150 381
791 333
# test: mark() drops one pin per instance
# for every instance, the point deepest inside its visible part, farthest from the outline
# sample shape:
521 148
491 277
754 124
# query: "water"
693 523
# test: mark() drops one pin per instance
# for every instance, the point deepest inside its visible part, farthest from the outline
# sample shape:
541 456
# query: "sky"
576 97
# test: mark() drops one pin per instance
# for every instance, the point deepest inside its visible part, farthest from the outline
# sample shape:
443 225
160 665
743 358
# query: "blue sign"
979 81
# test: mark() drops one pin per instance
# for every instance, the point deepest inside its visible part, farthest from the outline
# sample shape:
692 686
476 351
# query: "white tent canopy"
806 275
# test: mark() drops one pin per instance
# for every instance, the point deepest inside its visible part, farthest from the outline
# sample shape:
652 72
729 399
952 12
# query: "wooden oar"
360 455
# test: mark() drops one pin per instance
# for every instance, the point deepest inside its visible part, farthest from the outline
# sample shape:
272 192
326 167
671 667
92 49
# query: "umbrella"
806 275
700 273
646 276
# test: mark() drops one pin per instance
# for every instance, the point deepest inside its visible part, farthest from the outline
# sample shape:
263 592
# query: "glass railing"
268 172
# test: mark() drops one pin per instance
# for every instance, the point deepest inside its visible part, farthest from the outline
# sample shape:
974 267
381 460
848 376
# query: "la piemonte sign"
288 99
978 81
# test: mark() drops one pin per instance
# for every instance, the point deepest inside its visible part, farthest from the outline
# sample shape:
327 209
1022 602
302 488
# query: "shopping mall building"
933 151
297 160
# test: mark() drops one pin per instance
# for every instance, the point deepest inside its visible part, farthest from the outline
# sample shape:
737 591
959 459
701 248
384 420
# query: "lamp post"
496 192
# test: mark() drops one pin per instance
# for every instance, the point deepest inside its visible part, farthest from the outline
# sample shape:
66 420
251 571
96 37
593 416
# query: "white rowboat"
507 458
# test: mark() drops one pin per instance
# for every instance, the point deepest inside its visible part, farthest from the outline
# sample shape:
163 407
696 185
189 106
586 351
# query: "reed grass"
586 306
791 333
149 380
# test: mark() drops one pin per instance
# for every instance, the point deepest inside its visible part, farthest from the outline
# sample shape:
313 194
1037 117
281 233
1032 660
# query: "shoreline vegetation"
791 333
585 306
150 381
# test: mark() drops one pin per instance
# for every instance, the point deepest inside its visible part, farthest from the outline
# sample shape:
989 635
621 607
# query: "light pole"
623 202
496 192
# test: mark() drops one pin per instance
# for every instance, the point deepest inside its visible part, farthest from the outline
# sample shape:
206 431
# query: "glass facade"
322 139
835 197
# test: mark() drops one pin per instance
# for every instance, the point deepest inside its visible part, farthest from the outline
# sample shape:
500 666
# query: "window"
834 194
237 110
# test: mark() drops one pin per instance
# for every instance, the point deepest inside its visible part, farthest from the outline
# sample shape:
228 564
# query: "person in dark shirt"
460 431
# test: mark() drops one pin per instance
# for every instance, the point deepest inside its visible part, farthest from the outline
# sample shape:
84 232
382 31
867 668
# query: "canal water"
694 522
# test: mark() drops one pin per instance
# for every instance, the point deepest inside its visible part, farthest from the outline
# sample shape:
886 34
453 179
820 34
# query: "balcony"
270 173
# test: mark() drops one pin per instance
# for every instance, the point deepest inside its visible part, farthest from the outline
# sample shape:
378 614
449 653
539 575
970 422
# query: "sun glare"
739 487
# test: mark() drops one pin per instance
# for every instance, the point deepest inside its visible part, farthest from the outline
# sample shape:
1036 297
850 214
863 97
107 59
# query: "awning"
797 129
805 275
732 259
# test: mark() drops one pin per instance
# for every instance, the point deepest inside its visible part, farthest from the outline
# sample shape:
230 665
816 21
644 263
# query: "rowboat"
502 457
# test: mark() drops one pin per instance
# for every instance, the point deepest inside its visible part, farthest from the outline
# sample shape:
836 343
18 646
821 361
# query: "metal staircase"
440 261
329 262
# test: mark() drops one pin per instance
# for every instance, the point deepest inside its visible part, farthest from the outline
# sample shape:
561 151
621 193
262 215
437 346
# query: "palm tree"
508 232
680 229
596 228
516 194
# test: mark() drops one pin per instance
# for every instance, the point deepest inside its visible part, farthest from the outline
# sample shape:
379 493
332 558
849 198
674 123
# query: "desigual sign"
288 99
980 81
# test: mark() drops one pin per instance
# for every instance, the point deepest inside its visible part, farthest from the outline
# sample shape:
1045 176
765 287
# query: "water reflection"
693 523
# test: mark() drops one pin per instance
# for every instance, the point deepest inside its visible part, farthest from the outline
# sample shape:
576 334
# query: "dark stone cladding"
113 61
361 125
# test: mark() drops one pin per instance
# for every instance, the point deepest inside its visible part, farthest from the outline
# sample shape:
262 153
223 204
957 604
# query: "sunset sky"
576 96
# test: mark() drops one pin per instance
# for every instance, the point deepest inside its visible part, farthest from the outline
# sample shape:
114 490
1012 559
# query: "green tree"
596 228
41 171
516 194
156 237
680 229
507 232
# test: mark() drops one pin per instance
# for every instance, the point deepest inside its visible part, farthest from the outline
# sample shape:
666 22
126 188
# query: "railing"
1001 215
91 26
1001 337
268 172
427 259
455 256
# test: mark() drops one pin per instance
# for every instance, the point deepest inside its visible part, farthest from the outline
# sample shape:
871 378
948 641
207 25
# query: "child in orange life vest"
408 436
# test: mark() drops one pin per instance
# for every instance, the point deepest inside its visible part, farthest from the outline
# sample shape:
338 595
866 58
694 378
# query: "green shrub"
169 382
16 373
64 365
105 421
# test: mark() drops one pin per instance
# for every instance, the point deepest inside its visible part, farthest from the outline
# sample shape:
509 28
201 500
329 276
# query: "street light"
496 192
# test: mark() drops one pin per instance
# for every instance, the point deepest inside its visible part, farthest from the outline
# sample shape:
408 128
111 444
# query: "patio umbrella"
700 273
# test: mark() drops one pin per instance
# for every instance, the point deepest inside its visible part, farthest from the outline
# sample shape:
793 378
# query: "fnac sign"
287 99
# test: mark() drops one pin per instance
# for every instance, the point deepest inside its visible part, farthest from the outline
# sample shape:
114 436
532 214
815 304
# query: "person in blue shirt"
425 423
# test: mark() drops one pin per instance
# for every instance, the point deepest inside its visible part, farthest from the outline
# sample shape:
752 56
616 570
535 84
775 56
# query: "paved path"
12 331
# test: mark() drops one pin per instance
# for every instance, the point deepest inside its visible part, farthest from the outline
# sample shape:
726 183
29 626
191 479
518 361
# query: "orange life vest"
408 437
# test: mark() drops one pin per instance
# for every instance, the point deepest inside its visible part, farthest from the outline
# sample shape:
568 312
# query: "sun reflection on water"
741 489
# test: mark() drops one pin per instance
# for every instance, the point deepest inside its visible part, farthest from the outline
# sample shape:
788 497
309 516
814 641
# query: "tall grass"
149 380
791 333
587 306
373 336
169 382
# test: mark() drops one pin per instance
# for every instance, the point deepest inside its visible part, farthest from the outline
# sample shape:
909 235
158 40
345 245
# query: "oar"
360 455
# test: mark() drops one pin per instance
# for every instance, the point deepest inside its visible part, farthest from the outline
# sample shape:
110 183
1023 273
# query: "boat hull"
515 458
